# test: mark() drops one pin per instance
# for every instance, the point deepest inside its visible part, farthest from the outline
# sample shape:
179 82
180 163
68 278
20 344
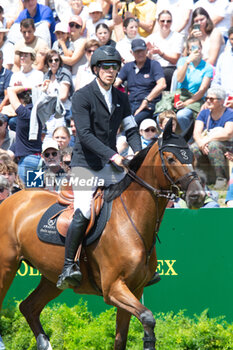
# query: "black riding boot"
71 273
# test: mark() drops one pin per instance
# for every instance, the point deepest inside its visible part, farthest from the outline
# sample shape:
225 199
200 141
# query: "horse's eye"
171 160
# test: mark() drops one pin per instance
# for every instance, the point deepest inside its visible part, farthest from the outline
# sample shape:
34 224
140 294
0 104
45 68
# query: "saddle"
66 197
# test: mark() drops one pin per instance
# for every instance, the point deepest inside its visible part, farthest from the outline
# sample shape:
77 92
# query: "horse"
122 261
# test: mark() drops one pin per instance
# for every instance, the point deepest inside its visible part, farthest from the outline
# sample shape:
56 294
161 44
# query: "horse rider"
98 109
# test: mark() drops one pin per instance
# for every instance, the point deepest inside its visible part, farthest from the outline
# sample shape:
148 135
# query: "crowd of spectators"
177 58
168 47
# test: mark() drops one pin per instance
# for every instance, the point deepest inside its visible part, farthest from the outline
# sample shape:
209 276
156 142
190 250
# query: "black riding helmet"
104 54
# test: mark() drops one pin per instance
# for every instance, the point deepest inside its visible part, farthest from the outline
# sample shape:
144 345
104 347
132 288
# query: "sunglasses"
211 99
165 21
67 162
72 25
150 129
24 54
47 154
106 66
2 189
51 60
1 123
90 51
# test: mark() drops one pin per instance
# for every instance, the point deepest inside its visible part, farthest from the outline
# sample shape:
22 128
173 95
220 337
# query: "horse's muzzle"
195 198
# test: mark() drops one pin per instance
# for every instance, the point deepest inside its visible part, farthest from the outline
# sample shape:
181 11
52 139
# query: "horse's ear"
167 130
188 133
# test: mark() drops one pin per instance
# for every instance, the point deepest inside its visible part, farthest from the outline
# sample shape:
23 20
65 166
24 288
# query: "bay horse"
123 260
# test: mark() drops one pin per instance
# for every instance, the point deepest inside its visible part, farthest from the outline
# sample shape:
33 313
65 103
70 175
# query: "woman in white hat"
78 57
96 17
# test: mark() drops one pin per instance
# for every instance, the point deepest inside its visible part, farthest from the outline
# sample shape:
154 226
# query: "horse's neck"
144 209
144 212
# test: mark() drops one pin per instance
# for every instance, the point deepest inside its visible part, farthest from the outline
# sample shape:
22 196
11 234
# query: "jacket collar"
101 97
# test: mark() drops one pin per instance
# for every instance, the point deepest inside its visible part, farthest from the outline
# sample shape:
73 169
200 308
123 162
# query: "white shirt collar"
107 95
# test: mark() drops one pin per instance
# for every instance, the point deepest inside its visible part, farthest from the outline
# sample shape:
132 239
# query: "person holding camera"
211 38
194 76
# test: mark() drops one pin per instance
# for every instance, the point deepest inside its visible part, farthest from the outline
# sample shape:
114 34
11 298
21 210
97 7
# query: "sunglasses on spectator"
90 51
47 154
67 162
106 66
2 189
166 21
1 123
211 99
150 129
72 25
51 60
24 54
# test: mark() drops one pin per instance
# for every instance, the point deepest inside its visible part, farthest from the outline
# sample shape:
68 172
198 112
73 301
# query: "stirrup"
71 275
154 279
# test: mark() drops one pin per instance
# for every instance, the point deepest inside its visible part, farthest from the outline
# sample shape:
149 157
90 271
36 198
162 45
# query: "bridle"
171 194
175 191
183 181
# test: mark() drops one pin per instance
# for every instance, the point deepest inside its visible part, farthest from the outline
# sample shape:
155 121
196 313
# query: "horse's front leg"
120 296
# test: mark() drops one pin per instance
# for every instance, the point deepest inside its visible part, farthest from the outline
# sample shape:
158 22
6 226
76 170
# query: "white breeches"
85 181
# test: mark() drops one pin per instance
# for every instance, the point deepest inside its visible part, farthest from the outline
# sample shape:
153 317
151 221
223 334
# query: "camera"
196 26
194 48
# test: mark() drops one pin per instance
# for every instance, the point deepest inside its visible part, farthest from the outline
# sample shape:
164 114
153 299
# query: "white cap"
146 123
50 143
95 7
61 27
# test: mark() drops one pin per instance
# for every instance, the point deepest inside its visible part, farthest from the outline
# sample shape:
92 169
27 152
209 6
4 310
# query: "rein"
184 181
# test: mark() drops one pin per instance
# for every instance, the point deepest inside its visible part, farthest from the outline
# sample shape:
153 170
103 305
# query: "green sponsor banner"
194 261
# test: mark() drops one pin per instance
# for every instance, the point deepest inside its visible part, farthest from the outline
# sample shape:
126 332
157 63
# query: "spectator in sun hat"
78 57
78 9
27 76
148 131
52 164
96 17
145 81
63 45
67 8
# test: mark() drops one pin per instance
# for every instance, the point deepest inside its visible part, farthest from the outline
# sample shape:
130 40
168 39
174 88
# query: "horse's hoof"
43 342
149 343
